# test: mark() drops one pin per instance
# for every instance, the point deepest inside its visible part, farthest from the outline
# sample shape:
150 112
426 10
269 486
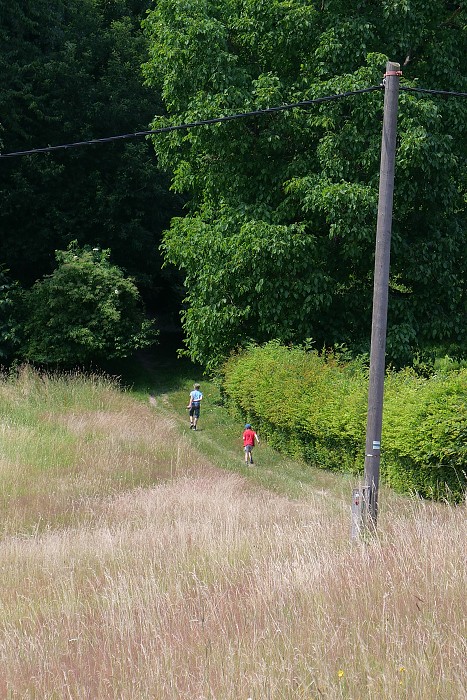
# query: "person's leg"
191 418
246 454
251 456
195 418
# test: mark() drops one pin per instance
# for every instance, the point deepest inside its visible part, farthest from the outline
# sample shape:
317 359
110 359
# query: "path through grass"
219 434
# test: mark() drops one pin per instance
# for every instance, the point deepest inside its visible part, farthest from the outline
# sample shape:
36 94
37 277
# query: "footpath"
166 383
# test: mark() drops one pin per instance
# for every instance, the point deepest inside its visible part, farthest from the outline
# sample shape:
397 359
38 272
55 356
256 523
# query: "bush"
85 310
425 433
314 406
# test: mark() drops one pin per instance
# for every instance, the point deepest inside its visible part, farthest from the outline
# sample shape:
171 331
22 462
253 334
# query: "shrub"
314 406
425 433
85 310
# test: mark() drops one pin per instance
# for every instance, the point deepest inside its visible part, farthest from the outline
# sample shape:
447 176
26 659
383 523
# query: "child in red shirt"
249 440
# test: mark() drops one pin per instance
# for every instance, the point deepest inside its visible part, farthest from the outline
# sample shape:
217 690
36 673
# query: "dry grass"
200 588
203 586
67 441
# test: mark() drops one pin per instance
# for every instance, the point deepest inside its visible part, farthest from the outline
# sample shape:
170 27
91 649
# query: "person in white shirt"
195 401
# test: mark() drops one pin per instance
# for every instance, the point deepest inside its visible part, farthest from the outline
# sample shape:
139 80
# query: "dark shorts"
248 448
194 410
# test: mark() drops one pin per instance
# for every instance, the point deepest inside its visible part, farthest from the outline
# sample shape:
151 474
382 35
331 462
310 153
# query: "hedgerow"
313 406
425 433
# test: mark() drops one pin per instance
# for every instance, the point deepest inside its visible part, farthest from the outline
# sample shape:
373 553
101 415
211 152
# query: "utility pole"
369 499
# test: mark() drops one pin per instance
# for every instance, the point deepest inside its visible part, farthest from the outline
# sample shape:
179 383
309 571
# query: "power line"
189 125
226 118
447 93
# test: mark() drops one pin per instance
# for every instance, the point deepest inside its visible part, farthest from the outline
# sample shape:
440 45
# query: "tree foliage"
86 309
279 238
71 72
9 321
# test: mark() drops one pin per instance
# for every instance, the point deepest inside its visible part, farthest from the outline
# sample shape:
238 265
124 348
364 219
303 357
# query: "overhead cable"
190 125
447 93
225 118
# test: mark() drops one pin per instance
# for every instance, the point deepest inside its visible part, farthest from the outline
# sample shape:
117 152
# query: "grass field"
141 560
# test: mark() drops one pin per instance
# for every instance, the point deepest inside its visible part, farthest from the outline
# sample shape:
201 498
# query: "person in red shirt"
250 438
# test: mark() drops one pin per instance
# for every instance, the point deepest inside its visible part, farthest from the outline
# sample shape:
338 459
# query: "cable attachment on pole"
397 73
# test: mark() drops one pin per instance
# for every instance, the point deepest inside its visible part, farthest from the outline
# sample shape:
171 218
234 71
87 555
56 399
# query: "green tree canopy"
279 237
9 322
71 71
85 310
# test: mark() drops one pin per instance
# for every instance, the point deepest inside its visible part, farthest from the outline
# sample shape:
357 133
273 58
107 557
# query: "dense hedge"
314 406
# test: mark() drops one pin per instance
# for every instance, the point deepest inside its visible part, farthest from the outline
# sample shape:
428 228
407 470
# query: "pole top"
393 68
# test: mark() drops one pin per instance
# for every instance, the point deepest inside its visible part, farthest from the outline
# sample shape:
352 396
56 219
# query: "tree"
9 323
279 238
71 72
85 310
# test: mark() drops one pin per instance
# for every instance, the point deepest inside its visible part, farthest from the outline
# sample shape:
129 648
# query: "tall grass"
66 439
187 582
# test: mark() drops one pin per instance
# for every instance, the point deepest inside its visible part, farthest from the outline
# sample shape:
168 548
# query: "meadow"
140 560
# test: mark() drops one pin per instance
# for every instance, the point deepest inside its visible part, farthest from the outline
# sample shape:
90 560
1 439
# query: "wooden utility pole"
380 298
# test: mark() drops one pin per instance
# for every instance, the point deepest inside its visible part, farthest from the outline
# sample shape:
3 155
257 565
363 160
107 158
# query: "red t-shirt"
249 437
